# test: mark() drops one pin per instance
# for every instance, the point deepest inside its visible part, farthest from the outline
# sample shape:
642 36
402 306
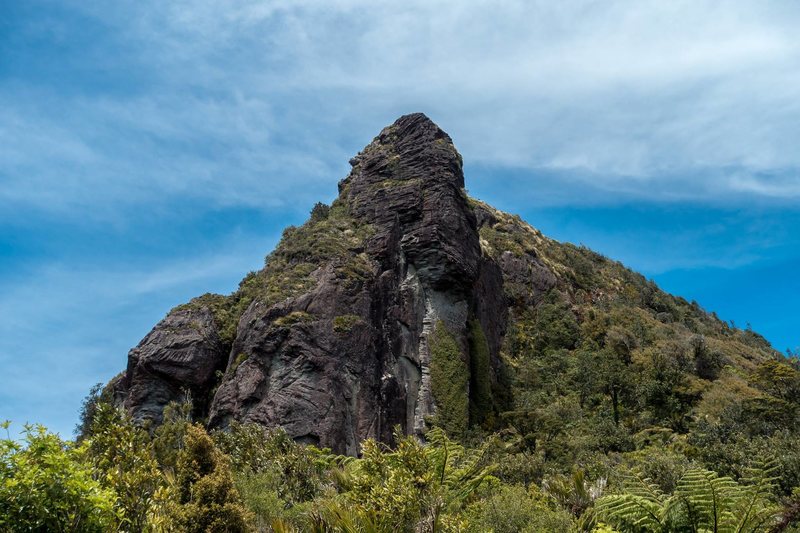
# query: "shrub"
123 461
295 317
300 471
513 508
320 212
168 437
702 501
96 397
556 326
345 323
46 485
207 498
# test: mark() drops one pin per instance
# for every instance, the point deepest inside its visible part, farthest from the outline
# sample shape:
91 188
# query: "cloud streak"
237 103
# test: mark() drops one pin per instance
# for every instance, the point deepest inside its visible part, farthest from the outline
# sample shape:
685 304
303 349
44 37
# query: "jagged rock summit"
403 303
368 317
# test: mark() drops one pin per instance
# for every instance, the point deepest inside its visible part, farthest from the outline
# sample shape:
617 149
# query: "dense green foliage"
702 501
46 485
616 407
449 381
480 386
248 478
123 462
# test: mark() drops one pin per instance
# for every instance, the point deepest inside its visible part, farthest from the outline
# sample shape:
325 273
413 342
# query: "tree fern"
643 507
703 502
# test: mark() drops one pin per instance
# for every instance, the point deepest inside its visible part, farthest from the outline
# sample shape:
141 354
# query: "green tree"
779 379
275 476
169 436
301 470
123 461
46 485
97 396
414 486
207 498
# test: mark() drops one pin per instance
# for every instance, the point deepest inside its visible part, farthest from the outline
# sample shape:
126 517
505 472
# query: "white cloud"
262 103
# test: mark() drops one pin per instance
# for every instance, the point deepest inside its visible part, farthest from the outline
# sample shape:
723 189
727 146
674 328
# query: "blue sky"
153 151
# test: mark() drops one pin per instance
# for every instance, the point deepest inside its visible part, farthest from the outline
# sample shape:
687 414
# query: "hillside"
413 360
407 303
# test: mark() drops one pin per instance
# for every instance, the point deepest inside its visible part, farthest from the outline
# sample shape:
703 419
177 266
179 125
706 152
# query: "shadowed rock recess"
390 307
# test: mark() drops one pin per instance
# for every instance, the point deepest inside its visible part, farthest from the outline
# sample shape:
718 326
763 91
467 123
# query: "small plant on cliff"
345 323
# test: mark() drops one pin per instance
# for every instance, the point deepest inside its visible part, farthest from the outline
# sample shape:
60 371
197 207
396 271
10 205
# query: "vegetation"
617 408
717 477
449 381
47 485
480 387
702 501
345 323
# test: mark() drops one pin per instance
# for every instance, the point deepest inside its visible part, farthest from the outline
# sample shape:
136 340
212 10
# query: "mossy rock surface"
449 381
345 323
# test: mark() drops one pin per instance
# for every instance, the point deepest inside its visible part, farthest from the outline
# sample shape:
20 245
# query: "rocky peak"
409 181
380 312
413 148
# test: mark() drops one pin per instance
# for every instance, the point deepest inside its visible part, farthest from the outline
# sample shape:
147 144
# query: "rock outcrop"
401 324
180 355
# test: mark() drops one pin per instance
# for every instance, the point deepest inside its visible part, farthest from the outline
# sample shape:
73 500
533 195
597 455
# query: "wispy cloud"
241 102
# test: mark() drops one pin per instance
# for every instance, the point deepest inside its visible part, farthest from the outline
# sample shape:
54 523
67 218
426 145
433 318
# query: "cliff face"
384 330
404 303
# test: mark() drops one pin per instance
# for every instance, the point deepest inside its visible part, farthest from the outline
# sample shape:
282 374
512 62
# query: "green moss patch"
295 317
345 323
480 390
449 381
240 358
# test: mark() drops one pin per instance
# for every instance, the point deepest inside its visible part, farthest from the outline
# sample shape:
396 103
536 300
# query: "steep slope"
407 303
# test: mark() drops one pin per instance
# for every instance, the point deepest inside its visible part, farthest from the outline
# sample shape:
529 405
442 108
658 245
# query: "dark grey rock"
180 355
349 360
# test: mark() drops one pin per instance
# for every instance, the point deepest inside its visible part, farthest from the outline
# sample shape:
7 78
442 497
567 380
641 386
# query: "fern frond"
629 512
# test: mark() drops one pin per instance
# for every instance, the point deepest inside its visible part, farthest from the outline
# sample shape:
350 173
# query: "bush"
345 323
46 485
300 471
123 461
556 326
207 498
96 397
512 509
